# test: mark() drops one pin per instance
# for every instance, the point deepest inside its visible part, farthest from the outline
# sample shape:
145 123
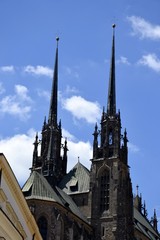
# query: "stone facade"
82 200
56 223
16 220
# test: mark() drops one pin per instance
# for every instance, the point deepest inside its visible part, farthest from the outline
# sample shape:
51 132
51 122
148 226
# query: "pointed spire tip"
113 25
57 39
111 105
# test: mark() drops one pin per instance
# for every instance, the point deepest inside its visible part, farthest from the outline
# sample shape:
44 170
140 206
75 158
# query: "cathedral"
95 204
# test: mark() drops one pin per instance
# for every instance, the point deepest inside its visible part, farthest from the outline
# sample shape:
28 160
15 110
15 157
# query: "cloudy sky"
28 30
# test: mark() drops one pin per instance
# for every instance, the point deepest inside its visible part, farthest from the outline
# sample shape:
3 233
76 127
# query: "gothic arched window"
104 190
110 137
42 224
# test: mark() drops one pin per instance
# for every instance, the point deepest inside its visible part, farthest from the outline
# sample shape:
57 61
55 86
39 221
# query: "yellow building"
16 219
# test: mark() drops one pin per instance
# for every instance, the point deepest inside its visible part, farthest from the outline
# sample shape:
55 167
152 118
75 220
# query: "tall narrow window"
104 191
42 224
110 140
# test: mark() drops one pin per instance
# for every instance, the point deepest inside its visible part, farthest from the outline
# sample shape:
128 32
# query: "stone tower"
50 163
110 183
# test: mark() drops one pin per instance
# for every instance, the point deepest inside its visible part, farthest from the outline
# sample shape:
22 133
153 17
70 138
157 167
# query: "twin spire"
51 133
111 105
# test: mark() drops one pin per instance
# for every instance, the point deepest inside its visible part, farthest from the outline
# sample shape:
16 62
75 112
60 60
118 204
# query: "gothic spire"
111 105
95 141
53 102
155 221
35 152
65 150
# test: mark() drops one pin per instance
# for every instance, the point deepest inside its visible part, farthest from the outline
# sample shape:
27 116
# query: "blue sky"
28 30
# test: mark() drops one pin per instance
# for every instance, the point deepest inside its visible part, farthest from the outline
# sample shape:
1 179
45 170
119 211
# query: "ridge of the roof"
79 164
77 180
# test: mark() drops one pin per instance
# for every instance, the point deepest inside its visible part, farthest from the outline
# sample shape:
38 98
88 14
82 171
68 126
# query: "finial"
44 121
60 123
36 135
78 160
137 187
113 26
154 220
103 113
125 135
65 145
36 139
57 39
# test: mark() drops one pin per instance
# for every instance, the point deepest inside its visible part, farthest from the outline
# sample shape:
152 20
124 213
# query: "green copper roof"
77 180
37 187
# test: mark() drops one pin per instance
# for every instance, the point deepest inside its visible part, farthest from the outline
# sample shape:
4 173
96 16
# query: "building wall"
60 223
16 220
139 236
114 220
7 230
82 200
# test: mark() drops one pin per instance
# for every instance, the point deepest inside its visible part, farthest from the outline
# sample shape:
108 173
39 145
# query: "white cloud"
143 28
82 109
81 150
123 60
18 105
47 94
2 90
69 136
7 69
93 64
43 93
71 71
77 150
133 148
39 70
22 92
151 61
71 90
11 106
18 150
